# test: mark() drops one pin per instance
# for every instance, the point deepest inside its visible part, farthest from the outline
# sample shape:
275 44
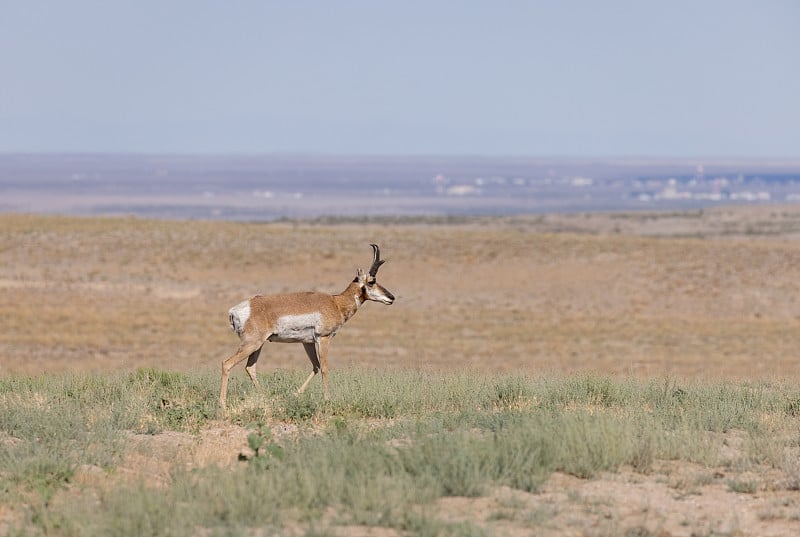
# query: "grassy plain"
587 375
409 453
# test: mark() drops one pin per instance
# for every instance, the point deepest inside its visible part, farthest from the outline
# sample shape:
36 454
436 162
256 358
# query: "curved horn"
377 261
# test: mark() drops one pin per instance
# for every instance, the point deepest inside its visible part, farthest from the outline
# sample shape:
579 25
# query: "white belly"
297 328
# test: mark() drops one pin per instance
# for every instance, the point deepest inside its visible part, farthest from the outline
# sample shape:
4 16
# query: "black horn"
377 261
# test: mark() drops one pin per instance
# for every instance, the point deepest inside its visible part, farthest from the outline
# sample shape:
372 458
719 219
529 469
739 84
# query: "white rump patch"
238 316
297 328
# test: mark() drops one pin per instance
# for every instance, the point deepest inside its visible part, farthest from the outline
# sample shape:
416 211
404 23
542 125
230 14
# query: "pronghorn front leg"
322 345
311 351
318 354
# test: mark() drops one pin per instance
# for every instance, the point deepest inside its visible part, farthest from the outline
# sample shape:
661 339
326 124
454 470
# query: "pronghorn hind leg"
251 366
245 350
311 351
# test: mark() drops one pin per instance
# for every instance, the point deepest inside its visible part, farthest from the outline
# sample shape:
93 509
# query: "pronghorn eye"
371 282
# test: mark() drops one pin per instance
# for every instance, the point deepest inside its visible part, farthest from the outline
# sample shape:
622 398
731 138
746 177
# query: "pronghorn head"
370 288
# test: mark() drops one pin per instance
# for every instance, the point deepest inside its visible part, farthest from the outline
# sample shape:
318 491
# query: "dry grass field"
685 297
708 294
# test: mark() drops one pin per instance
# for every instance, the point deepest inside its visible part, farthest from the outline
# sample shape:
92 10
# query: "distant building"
463 190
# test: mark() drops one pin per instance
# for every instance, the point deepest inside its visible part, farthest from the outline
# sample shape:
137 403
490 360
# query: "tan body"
310 318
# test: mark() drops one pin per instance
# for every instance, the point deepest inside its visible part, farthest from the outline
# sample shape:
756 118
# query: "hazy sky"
557 78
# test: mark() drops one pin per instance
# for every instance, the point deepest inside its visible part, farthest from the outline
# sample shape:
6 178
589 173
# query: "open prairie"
703 294
591 375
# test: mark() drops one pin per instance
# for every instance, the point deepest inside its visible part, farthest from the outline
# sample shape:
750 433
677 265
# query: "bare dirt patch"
685 501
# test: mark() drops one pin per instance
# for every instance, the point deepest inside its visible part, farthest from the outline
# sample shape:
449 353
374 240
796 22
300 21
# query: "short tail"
238 316
236 324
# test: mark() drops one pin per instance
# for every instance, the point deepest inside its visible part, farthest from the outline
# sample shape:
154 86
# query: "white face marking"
294 328
238 316
376 293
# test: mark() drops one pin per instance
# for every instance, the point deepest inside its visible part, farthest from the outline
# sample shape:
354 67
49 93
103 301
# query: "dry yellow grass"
488 294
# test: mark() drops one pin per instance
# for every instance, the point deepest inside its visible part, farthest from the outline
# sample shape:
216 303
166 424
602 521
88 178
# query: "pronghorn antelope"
309 318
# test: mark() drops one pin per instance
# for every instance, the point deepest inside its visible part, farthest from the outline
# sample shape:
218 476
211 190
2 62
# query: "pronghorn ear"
360 276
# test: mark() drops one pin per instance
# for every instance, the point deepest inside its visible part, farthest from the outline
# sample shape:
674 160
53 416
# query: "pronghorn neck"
349 300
